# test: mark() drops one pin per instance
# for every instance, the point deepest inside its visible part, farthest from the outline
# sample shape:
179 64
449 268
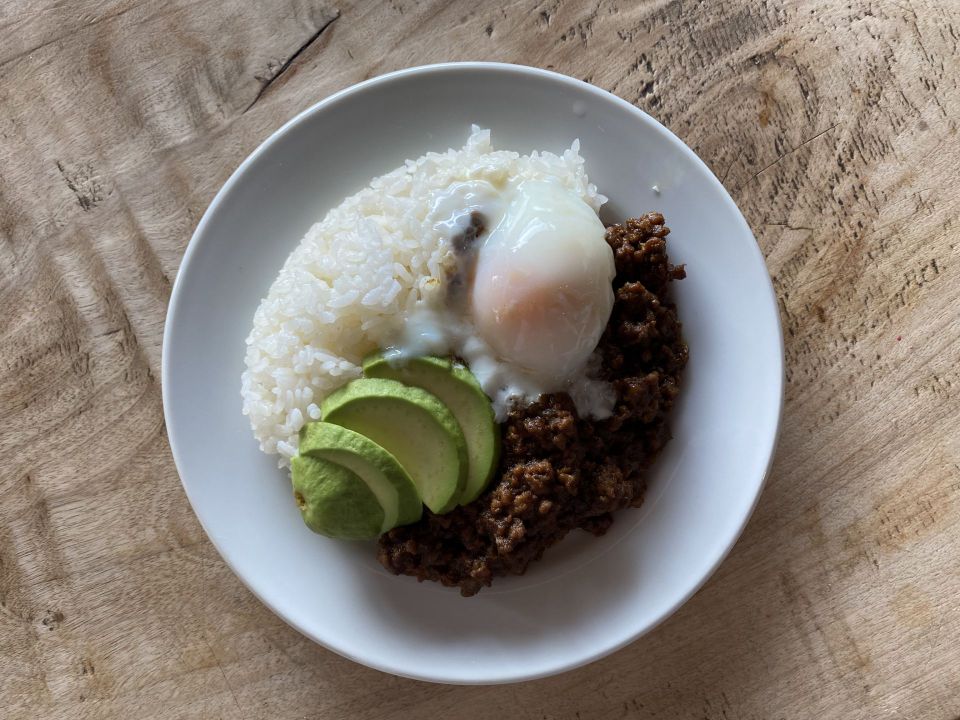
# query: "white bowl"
588 596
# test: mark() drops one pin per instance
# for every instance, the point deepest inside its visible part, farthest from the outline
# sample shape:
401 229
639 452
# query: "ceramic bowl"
588 596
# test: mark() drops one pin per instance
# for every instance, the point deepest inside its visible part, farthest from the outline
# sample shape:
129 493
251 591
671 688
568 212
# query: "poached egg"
538 284
542 289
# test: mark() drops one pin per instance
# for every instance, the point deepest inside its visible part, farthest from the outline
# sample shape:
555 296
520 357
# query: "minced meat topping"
559 472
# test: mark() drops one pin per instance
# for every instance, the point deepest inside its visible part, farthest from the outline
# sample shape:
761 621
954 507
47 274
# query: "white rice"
345 289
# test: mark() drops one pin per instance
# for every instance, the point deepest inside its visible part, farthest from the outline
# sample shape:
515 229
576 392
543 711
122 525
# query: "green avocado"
457 388
413 426
335 501
385 477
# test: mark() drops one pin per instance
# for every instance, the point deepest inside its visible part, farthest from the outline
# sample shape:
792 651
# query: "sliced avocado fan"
412 425
456 387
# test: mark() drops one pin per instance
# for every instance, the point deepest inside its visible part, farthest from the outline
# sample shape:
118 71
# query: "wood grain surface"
833 125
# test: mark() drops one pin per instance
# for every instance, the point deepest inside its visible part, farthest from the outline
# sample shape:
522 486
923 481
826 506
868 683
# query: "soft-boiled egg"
542 289
527 294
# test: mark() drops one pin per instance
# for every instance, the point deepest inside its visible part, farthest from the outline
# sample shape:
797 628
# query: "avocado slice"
385 477
335 501
413 426
458 389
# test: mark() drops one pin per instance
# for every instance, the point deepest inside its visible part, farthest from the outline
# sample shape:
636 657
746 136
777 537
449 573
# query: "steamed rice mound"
346 288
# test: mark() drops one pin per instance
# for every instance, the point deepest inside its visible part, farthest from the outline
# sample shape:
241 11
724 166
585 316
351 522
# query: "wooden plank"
833 126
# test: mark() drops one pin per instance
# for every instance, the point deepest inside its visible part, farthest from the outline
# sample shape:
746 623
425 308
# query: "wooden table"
831 123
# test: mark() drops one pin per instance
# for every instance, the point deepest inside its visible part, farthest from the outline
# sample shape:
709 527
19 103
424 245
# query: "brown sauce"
459 280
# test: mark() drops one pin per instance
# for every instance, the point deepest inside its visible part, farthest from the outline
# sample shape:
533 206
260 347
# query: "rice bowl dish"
587 597
463 360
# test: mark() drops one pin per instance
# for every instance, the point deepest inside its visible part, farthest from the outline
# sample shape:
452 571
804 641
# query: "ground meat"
559 472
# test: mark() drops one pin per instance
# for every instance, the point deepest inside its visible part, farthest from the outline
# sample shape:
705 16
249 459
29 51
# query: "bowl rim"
770 441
